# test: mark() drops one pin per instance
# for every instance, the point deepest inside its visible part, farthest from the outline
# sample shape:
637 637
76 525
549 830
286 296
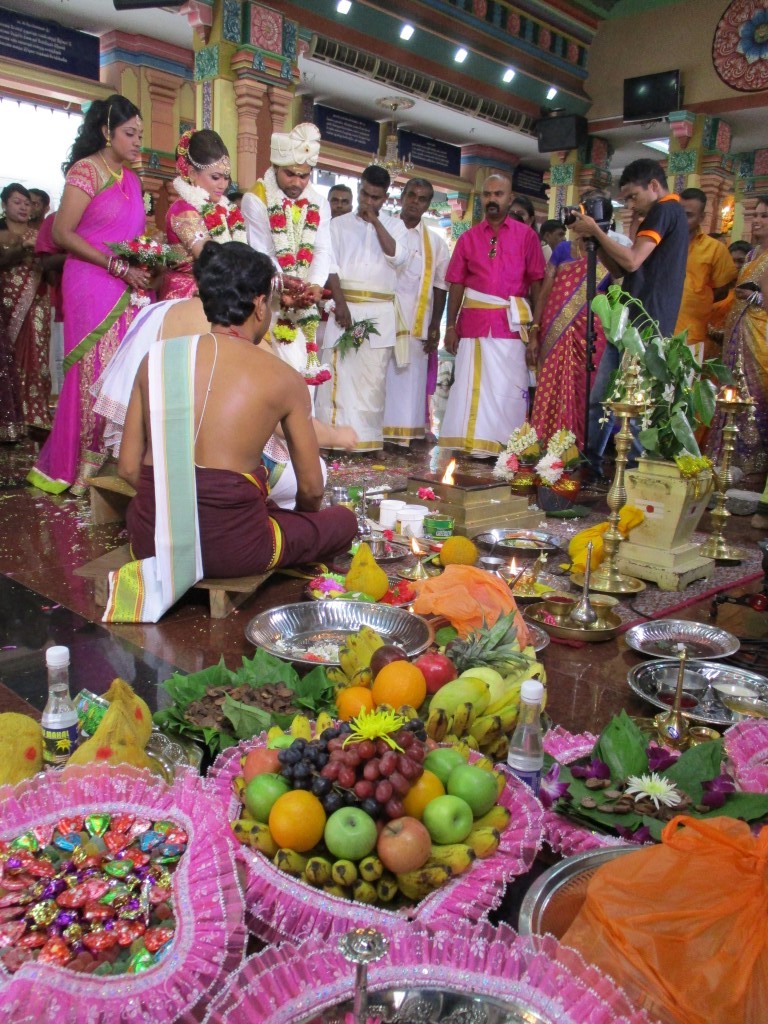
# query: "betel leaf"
649 439
681 428
246 719
703 396
445 635
698 764
747 806
264 668
184 689
622 747
314 691
632 342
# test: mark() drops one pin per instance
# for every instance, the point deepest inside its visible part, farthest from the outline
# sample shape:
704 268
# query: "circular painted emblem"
740 46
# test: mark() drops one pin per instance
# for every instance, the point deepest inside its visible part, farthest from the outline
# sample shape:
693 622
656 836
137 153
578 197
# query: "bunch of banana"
445 862
355 659
256 835
455 706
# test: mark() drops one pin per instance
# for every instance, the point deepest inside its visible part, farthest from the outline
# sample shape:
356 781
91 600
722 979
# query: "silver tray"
519 542
554 899
648 679
289 630
661 637
434 1006
539 637
388 550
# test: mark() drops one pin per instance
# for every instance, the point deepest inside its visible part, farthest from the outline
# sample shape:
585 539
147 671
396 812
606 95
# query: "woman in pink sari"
202 212
102 204
560 344
25 323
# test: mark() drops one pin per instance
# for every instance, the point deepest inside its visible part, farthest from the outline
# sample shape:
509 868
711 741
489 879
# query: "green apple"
350 833
442 760
261 792
474 785
448 819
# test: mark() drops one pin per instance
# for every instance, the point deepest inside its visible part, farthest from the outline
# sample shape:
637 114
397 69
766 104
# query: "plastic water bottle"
526 753
59 721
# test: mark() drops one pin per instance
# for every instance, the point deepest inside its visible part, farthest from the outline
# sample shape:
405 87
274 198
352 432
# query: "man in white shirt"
369 250
420 301
289 221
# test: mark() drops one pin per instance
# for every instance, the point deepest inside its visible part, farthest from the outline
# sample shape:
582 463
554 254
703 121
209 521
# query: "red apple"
260 761
404 845
438 670
383 655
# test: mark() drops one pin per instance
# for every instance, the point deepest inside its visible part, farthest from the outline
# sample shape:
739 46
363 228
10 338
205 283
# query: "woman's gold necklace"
118 178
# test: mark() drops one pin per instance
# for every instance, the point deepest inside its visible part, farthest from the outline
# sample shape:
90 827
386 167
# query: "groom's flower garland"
222 220
294 229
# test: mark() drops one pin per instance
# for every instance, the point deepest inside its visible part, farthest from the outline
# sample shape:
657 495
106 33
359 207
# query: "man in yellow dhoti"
495 266
369 250
420 300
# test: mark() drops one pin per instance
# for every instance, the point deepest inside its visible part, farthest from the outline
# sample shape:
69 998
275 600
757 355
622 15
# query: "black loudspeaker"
142 5
566 131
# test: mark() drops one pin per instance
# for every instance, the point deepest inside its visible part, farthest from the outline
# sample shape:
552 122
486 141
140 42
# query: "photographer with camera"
653 268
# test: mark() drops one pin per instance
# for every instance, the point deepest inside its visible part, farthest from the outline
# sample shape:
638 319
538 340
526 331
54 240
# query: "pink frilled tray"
280 907
290 984
209 941
563 836
746 746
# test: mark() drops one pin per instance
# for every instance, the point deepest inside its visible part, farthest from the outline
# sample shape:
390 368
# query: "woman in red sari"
559 344
25 322
102 204
202 212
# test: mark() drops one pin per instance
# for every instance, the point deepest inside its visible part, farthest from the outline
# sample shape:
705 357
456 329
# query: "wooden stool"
109 499
223 595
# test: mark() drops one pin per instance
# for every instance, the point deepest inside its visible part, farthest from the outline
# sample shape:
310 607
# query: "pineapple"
496 647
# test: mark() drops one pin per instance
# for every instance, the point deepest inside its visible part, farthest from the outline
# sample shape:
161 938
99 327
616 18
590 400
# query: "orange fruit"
398 683
424 789
351 700
297 821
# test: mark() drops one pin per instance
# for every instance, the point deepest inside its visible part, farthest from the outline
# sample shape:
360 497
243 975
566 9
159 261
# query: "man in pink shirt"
495 266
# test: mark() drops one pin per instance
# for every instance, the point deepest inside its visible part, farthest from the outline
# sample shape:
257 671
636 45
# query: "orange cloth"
469 598
683 926
709 266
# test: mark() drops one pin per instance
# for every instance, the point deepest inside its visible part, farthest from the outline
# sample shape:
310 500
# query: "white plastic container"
410 520
388 510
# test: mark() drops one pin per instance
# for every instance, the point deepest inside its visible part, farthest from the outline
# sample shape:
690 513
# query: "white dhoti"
405 406
355 396
489 397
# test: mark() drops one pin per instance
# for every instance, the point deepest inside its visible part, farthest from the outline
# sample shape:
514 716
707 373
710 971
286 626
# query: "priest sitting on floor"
201 411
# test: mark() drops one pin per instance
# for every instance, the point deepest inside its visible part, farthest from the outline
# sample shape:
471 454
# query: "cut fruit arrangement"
364 810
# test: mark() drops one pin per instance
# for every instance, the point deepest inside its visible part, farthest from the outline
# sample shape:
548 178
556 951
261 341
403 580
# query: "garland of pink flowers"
537 974
281 907
746 746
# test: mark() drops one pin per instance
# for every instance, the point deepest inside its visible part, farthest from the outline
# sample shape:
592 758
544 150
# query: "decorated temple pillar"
249 100
576 171
698 158
750 172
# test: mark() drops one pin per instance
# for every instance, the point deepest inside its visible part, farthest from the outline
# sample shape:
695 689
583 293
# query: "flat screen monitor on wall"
650 97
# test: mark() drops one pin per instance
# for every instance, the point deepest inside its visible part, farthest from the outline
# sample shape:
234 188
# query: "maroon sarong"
242 533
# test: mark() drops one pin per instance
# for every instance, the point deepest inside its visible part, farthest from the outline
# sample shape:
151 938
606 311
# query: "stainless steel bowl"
289 631
660 639
555 898
521 542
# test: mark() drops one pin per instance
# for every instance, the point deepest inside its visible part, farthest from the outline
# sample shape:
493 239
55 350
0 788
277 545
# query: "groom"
289 221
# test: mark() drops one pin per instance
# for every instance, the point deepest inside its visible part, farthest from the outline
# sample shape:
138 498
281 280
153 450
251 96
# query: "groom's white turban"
297 148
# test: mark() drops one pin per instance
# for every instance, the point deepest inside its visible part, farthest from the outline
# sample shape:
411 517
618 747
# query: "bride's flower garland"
294 229
222 220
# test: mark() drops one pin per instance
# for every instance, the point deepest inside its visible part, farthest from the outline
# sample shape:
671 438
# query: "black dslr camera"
599 208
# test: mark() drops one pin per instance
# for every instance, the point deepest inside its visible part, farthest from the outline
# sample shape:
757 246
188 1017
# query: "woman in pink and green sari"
102 204
560 344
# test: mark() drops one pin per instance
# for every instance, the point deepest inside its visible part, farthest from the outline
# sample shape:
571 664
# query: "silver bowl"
660 639
521 542
556 897
289 631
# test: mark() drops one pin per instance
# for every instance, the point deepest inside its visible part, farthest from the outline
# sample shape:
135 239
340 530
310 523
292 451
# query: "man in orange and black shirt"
653 268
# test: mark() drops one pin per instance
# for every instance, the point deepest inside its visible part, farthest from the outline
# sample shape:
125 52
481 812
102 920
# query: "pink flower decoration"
427 494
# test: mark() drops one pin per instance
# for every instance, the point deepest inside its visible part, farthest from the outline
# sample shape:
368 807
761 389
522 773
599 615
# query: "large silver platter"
652 677
554 899
434 1006
289 631
521 542
660 639
540 638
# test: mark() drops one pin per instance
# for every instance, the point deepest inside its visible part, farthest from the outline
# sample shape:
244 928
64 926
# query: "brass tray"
593 634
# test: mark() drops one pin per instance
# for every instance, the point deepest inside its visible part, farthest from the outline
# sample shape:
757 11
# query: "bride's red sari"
561 386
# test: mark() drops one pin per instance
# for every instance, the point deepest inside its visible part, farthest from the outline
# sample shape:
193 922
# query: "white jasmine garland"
560 442
550 468
521 439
